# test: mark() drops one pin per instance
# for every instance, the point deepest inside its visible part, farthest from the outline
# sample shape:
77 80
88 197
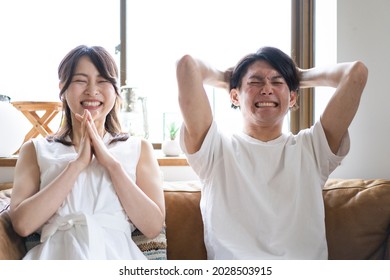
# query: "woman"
86 187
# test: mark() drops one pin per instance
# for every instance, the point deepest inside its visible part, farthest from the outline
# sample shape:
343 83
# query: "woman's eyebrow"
80 74
86 75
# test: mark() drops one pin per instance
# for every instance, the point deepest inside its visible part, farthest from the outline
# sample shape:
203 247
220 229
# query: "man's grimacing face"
264 97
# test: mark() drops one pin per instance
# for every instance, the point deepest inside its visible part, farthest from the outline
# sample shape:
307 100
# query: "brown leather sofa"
357 222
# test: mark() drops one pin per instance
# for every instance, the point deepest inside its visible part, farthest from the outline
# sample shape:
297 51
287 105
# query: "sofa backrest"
357 216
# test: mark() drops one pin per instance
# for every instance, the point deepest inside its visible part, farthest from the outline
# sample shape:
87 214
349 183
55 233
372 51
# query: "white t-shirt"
263 200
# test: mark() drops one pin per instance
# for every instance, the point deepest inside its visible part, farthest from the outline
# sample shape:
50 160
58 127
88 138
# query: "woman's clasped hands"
91 142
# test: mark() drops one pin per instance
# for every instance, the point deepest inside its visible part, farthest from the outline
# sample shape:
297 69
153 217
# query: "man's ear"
293 98
234 97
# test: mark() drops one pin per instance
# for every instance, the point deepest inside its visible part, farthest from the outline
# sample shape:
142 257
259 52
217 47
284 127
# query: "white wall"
6 174
363 33
178 173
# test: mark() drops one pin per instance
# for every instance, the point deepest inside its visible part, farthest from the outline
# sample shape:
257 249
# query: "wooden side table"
40 124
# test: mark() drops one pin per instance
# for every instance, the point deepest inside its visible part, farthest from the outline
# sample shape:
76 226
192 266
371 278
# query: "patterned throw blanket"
5 197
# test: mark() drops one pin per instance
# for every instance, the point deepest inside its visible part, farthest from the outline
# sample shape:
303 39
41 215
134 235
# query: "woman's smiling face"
89 90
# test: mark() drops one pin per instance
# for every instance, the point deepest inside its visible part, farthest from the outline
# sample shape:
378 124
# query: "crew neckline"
277 140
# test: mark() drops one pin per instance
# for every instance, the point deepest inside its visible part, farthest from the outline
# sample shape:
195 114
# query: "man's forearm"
212 76
329 76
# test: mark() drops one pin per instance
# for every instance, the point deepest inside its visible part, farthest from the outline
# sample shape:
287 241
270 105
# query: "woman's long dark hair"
107 68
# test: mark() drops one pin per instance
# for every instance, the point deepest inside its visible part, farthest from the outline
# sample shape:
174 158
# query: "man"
262 189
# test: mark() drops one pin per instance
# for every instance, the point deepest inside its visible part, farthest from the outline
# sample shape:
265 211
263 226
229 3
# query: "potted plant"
171 147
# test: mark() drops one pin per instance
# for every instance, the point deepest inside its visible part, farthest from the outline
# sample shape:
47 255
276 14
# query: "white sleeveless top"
91 223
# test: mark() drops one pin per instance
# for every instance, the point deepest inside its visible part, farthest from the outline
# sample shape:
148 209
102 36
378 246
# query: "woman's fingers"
79 117
83 124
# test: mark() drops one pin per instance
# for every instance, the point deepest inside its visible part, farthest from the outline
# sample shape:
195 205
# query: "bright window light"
325 48
37 34
219 32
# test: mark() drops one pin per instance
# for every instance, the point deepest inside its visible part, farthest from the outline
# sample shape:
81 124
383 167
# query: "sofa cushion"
184 226
357 214
11 244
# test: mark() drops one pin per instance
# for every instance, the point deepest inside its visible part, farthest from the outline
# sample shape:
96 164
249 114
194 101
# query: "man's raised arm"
349 79
192 74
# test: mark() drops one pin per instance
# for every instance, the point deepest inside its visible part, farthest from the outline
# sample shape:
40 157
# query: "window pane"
325 48
37 34
220 32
